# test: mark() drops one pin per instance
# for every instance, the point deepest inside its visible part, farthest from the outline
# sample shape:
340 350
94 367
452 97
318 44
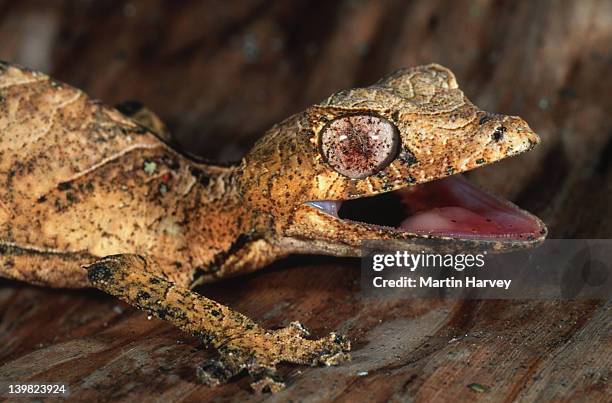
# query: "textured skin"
83 181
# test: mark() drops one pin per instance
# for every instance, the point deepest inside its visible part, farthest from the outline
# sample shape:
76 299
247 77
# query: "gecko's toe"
267 382
335 351
295 329
214 372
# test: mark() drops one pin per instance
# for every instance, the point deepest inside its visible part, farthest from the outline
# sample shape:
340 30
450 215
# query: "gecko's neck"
219 208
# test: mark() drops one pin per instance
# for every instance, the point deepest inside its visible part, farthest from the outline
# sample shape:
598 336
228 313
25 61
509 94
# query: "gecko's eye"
358 146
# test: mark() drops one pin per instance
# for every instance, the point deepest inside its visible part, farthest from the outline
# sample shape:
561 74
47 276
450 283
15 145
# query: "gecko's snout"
506 135
522 137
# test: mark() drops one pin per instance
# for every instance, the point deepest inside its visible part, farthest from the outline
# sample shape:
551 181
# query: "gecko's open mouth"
449 207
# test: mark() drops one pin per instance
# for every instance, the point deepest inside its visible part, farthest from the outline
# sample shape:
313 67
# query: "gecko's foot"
218 372
291 345
258 354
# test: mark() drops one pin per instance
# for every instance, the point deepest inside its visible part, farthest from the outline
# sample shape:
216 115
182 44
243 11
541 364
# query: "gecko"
96 196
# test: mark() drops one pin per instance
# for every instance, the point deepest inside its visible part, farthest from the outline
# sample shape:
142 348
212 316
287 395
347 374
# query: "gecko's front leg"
242 344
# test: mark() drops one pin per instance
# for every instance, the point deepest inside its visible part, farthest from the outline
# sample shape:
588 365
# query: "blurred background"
219 73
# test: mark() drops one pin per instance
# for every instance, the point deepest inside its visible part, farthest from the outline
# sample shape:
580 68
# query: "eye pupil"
360 145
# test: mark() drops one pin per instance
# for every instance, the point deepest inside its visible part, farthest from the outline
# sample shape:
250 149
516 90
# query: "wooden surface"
219 73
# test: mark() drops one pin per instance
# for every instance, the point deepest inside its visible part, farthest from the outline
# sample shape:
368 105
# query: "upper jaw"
432 153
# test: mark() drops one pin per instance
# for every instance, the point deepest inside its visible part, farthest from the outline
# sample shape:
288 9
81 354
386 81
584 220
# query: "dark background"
219 73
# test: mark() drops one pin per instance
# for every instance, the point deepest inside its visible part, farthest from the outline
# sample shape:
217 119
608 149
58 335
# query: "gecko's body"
85 185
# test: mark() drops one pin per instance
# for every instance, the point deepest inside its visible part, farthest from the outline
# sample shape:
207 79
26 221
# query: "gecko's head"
381 162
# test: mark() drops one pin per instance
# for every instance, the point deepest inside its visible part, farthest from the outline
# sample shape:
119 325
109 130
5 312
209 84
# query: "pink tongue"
449 219
452 207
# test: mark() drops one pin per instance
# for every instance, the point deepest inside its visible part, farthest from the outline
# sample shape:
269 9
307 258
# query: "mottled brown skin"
88 186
